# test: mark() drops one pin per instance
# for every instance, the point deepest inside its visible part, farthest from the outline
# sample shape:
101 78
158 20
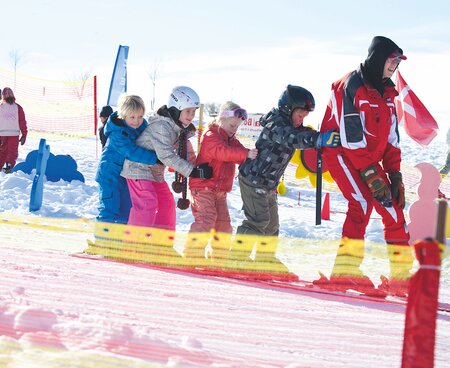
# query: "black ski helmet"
293 97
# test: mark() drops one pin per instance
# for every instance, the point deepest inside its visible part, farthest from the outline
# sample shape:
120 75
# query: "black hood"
372 68
169 112
174 114
114 117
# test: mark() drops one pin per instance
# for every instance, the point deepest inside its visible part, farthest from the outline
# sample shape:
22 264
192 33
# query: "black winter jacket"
276 145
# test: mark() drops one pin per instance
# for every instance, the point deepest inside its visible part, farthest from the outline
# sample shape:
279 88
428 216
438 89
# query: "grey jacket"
162 136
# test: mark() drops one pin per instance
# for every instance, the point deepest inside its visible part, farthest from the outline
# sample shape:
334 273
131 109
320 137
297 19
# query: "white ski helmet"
182 98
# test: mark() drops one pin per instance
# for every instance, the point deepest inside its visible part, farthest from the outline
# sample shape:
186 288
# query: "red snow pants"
210 211
361 203
9 150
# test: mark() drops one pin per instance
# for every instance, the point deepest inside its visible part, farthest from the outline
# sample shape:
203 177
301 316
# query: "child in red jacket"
222 151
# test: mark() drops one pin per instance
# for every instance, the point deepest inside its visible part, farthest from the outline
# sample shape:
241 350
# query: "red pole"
95 116
95 106
421 312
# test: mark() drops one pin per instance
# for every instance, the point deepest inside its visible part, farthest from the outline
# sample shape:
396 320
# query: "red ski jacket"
222 153
366 121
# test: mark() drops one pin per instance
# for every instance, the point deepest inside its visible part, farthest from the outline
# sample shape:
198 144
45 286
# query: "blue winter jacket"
119 146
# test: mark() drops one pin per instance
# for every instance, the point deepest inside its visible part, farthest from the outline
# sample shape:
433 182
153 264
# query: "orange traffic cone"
326 207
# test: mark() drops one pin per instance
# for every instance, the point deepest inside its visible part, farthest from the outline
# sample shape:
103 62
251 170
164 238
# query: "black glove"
397 188
380 191
22 139
203 171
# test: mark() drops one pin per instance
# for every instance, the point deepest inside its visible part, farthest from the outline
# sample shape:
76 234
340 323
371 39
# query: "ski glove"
397 188
380 191
22 139
330 138
203 171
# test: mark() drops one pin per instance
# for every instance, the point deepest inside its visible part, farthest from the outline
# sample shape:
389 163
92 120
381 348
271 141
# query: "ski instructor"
367 166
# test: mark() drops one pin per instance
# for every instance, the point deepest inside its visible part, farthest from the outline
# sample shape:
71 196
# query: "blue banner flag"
119 76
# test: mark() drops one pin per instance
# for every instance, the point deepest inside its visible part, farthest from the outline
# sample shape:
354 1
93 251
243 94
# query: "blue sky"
247 51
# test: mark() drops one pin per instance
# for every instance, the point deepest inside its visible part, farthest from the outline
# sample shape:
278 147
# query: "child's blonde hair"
226 106
129 104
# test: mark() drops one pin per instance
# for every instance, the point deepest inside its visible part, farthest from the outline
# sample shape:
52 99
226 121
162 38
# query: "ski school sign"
251 126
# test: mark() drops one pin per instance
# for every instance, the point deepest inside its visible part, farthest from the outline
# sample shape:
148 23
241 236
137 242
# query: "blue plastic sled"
54 168
58 167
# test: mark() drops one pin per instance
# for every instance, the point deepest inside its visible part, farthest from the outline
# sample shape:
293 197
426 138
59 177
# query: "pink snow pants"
153 204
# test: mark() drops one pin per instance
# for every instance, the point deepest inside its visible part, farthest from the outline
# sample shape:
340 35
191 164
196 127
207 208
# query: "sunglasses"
236 113
396 60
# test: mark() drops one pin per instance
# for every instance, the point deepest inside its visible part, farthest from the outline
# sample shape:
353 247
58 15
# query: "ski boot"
394 287
401 262
343 283
7 169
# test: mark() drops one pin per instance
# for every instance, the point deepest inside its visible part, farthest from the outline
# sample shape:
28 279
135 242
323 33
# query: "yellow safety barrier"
234 253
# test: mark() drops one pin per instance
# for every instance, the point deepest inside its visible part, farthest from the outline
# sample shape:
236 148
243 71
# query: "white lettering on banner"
251 127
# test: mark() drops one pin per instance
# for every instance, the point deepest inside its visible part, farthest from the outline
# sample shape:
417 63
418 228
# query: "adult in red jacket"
12 124
221 150
367 165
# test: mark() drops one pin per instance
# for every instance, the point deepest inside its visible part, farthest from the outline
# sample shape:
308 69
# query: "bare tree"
17 57
83 78
212 108
153 75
